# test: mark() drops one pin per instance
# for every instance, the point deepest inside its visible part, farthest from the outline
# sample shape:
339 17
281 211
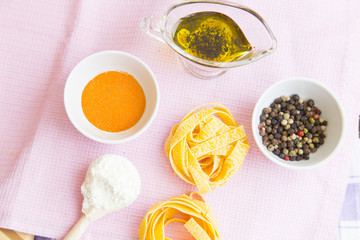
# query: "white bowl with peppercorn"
298 123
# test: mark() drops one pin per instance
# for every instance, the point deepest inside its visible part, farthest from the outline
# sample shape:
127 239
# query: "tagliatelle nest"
207 147
196 215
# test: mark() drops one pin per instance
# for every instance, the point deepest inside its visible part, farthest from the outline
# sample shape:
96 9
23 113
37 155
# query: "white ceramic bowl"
98 63
331 111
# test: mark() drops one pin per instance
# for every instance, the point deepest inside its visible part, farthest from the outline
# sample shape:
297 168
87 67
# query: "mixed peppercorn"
292 128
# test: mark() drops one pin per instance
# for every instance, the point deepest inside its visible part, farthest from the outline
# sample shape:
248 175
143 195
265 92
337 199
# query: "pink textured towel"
44 158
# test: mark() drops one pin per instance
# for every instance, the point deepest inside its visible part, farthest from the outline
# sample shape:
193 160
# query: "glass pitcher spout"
151 26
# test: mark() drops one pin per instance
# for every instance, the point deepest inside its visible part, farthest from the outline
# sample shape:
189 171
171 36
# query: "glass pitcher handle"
151 26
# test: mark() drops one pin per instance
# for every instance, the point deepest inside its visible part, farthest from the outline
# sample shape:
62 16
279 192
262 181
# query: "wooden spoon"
92 214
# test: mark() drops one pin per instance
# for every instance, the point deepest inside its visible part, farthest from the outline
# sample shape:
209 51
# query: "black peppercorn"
306 151
277 100
308 125
277 152
308 115
280 129
277 136
266 110
299 106
262 118
310 102
295 97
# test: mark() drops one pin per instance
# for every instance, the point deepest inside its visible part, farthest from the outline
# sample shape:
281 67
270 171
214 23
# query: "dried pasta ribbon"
207 147
195 214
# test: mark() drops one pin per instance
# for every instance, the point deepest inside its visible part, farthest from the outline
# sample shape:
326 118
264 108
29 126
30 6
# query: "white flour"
112 182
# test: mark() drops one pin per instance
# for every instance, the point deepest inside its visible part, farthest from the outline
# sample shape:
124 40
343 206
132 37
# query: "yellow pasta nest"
207 147
196 215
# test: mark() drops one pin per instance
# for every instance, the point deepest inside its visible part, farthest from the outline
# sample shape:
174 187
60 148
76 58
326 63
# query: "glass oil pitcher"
252 25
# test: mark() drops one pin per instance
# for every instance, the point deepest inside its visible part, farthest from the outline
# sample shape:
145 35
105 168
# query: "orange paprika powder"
113 101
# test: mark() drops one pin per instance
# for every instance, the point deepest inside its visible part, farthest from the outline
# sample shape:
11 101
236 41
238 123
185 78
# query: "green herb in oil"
211 36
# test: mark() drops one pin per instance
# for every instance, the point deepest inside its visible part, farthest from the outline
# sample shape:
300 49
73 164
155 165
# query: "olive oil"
211 36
